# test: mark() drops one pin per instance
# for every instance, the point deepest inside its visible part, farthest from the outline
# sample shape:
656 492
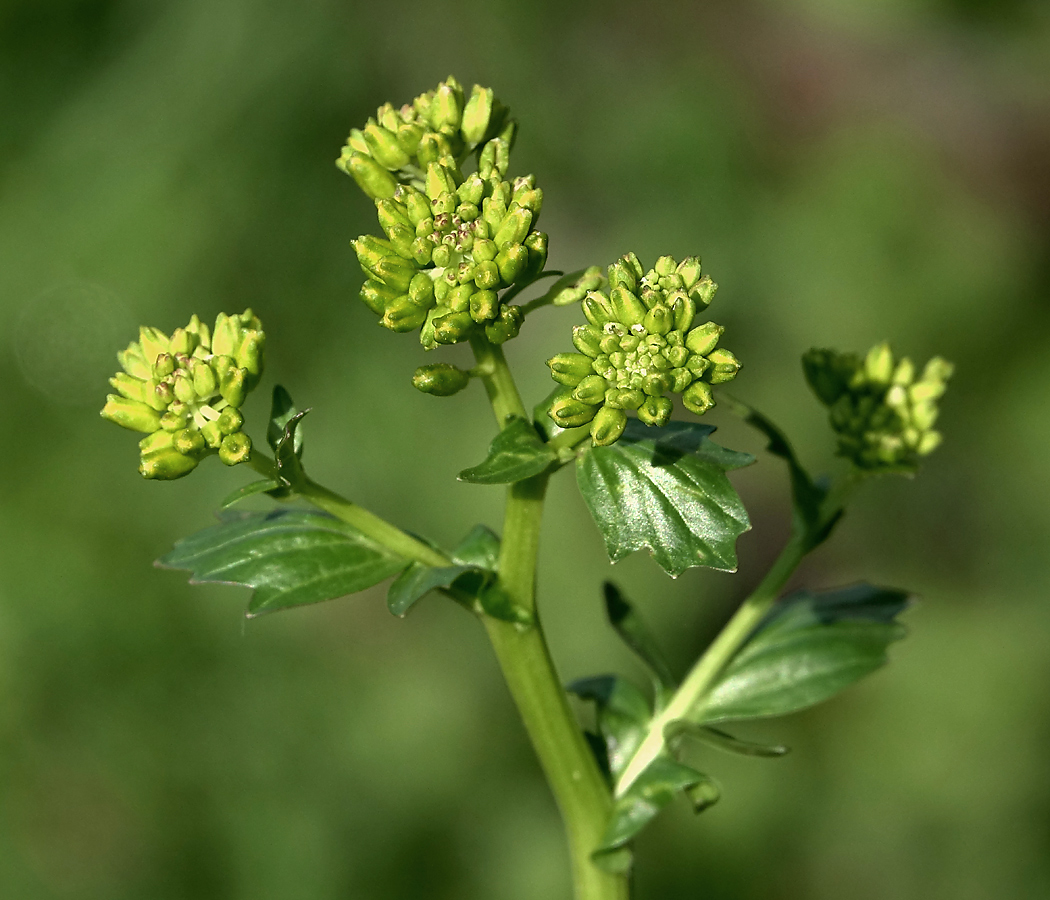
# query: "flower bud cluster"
639 345
882 414
185 392
452 241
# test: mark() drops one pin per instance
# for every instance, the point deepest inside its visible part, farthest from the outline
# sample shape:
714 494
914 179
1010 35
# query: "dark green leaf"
256 487
479 548
623 715
666 489
291 557
418 580
808 649
636 635
717 738
517 452
649 793
289 448
807 494
282 411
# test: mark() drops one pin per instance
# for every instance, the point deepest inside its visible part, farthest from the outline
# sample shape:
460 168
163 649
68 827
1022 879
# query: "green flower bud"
659 320
184 342
572 293
724 367
154 342
626 271
161 394
235 448
385 147
587 339
232 386
591 390
570 368
371 177
403 315
627 308
440 379
229 421
439 181
452 328
421 291
506 326
184 391
446 110
828 373
477 114
511 261
704 338
212 434
131 414
175 419
484 305
166 464
188 442
569 413
624 398
416 204
488 275
164 366
878 364
514 227
409 134
133 362
655 411
132 388
689 271
205 383
607 426
697 398
458 299
597 309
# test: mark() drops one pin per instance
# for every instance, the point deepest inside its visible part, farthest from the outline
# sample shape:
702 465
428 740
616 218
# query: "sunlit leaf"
517 452
622 713
666 489
291 557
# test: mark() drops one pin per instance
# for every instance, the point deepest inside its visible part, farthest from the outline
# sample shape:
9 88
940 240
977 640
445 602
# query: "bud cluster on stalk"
882 414
640 345
184 392
452 241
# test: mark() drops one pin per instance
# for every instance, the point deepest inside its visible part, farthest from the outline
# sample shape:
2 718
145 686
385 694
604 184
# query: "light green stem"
580 790
368 523
710 665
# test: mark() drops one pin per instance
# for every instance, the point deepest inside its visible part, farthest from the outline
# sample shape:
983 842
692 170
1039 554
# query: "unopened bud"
570 368
440 379
476 115
371 177
235 448
607 426
704 338
166 464
131 414
697 398
570 413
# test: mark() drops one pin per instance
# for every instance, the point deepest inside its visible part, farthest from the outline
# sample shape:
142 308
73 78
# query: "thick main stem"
578 786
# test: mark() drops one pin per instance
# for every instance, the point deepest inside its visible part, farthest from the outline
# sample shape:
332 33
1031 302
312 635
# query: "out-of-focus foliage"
850 173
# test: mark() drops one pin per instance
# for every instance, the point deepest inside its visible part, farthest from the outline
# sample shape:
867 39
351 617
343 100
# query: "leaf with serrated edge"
516 453
635 633
666 489
649 793
810 647
291 558
623 715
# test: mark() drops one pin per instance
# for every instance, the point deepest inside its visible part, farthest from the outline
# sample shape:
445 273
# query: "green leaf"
809 648
517 452
287 454
623 715
416 581
256 487
666 489
807 494
717 738
634 632
480 548
649 793
282 411
291 557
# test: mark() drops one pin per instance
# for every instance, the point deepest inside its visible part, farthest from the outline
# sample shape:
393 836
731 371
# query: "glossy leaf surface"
810 647
249 490
290 557
666 489
517 452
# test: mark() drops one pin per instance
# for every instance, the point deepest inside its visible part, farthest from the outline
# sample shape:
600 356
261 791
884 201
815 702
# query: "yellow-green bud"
570 413
166 464
371 177
131 414
235 448
697 398
704 338
607 426
440 379
570 368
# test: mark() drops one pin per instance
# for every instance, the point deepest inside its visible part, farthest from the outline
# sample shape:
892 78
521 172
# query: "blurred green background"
850 172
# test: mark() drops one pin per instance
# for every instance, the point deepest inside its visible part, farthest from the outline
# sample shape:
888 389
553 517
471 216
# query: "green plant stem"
368 523
578 786
710 665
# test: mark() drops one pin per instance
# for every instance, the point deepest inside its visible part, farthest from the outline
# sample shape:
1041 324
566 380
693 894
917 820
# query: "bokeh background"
850 172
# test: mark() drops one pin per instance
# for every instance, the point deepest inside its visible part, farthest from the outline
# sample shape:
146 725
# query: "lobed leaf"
666 489
290 557
623 715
